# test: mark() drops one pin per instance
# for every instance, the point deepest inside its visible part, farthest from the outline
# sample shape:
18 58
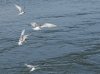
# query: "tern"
22 37
31 67
36 26
19 9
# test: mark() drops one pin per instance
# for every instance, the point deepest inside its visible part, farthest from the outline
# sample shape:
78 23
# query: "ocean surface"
73 47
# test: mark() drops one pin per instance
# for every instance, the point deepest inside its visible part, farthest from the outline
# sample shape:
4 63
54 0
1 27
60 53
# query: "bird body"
21 13
36 28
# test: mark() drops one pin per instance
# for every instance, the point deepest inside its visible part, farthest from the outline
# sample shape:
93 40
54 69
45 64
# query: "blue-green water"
71 48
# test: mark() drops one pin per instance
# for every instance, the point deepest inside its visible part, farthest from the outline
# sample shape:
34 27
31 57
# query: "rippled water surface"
71 48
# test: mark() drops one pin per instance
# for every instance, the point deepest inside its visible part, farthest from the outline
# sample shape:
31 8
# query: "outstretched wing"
18 7
48 25
23 32
29 66
22 35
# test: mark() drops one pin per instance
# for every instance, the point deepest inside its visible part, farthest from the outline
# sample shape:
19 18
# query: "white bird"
19 9
31 67
22 37
39 27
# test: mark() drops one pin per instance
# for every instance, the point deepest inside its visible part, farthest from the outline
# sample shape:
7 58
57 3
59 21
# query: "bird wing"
48 25
29 66
34 68
23 31
22 35
18 7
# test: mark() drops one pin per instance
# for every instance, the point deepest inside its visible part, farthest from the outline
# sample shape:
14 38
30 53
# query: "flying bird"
19 9
22 37
31 67
36 26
